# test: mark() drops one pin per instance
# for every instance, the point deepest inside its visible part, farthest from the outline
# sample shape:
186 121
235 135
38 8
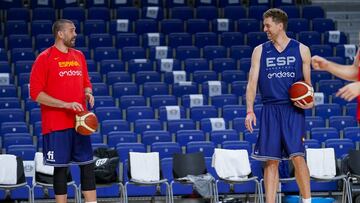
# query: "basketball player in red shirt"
59 81
346 72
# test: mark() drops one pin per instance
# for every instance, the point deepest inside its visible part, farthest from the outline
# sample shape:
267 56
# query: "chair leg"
172 192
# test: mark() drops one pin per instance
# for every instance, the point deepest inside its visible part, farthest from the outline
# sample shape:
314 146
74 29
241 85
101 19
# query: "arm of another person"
346 72
251 88
306 60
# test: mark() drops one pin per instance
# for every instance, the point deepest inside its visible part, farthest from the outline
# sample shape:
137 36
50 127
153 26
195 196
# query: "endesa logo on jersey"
282 63
70 73
69 64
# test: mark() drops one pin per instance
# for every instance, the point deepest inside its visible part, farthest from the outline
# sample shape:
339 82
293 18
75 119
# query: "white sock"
306 200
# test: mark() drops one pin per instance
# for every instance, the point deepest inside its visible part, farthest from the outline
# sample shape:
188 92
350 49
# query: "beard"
70 43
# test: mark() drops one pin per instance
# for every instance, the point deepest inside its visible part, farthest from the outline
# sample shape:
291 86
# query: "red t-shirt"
63 76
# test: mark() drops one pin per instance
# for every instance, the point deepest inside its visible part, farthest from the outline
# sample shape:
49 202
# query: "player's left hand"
303 104
349 91
90 99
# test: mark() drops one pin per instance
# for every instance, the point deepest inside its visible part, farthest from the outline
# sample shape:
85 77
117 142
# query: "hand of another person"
349 91
250 120
303 104
75 106
319 63
90 98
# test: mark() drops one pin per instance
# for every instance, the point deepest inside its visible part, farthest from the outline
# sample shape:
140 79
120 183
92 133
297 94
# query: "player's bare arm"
48 100
251 88
89 96
306 60
346 72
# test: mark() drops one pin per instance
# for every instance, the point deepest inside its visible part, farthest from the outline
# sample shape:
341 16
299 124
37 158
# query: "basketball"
301 91
86 123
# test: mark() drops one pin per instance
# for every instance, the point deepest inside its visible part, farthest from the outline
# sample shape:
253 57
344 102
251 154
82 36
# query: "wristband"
247 113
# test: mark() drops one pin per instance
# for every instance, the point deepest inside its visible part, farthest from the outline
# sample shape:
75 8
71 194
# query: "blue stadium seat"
113 125
163 100
19 41
190 100
322 24
183 88
107 66
179 39
323 50
220 136
237 144
234 12
62 4
329 87
220 101
352 133
239 88
80 44
91 66
212 52
206 147
310 37
341 146
348 53
142 77
229 39
43 14
247 25
35 116
155 88
168 113
185 136
327 110
121 26
312 143
16 27
23 54
142 125
207 12
203 39
297 25
104 53
314 122
146 26
23 66
205 3
43 41
168 65
102 13
152 136
240 51
229 76
24 91
172 26
317 76
213 88
4 65
291 10
124 88
94 26
221 25
251 137
341 101
18 14
322 133
223 64
153 39
245 64
204 75
199 112
160 52
127 40
130 13
26 152
257 11
100 40
182 12
334 38
123 149
100 89
226 3
95 77
137 65
177 76
341 122
256 38
197 25
74 13
152 12
152 3
95 3
104 101
231 112
14 127
16 140
11 115
108 113
23 78
132 100
132 53
185 52
166 149
116 137
212 124
311 11
181 124
134 113
196 64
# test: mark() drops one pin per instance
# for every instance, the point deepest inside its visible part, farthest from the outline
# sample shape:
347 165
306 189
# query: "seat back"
11 162
354 163
188 164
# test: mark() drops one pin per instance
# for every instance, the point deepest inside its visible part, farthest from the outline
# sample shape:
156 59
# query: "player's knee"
60 180
87 177
272 164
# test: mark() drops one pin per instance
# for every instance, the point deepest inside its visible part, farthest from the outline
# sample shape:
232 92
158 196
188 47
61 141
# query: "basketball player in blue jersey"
275 66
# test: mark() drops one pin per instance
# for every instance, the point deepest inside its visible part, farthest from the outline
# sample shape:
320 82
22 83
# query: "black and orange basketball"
86 123
301 91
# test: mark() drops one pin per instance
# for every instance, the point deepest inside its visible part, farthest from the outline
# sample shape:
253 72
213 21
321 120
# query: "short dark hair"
278 16
58 25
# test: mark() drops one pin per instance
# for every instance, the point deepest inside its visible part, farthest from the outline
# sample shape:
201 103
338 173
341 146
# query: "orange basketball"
86 123
301 91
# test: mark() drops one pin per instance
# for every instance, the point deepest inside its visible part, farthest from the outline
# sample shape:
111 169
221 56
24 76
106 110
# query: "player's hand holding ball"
302 94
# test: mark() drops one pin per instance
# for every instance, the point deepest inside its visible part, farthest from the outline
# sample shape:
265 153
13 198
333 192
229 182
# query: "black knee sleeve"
87 177
60 180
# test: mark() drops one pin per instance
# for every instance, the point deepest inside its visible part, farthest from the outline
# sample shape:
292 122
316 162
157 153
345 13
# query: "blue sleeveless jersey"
278 71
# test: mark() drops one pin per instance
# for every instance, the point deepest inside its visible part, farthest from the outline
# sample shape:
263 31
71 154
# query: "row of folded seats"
158 13
60 4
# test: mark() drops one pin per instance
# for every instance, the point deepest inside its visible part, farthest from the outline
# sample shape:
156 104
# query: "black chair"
7 159
191 164
353 169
